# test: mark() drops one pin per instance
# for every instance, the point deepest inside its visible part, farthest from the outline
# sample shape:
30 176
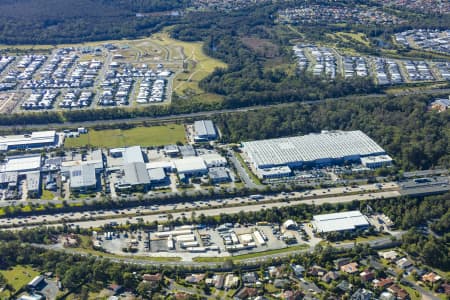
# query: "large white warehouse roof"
342 221
330 145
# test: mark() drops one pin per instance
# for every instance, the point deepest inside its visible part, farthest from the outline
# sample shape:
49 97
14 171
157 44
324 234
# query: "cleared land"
18 277
144 136
197 64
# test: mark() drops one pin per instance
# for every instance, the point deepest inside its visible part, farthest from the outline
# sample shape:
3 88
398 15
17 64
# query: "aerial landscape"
225 149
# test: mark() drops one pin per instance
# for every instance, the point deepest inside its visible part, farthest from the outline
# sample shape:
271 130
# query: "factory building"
326 148
191 166
219 175
37 139
34 184
204 130
339 222
133 154
83 178
135 176
22 164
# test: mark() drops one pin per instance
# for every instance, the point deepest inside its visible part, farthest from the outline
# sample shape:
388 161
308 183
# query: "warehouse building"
338 222
219 175
83 178
326 148
135 176
158 176
191 166
204 130
34 184
37 139
133 154
22 164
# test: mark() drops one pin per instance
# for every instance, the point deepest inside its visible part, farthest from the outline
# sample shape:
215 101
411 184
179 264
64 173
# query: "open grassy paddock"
144 136
18 277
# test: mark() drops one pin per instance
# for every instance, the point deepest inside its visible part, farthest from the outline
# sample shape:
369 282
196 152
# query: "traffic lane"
70 217
230 210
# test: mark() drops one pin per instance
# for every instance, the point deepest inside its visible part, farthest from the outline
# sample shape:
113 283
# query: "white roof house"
342 221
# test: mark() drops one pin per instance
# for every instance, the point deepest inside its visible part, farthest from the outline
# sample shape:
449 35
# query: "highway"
208 208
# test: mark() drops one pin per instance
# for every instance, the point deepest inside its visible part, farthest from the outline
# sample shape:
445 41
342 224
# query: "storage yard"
323 61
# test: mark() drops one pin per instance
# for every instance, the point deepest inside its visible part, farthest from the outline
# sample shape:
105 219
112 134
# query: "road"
243 174
208 208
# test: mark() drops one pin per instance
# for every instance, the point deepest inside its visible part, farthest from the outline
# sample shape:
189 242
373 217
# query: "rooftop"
339 221
310 148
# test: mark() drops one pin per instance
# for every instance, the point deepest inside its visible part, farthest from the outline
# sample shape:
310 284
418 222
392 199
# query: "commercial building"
204 130
191 166
135 176
34 184
158 176
83 178
219 175
214 160
275 172
374 162
22 164
133 154
37 139
338 222
326 148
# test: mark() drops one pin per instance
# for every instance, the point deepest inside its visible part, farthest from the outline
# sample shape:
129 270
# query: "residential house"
398 292
194 278
387 296
383 283
367 275
152 277
291 295
344 286
338 263
246 292
281 283
298 270
330 276
250 278
317 271
431 277
231 282
350 268
115 288
404 263
362 294
389 255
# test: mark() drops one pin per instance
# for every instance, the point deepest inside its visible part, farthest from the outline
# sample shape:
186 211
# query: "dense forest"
415 137
64 21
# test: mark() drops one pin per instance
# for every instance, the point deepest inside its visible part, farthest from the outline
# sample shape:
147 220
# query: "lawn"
199 65
140 257
144 136
251 255
18 277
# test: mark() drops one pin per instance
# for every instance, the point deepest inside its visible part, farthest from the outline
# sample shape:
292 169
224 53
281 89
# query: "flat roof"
190 164
157 174
135 173
22 163
37 137
205 128
82 176
342 221
218 172
133 154
33 181
310 148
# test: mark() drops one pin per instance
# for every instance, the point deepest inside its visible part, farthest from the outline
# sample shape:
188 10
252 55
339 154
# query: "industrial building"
204 130
37 139
326 148
34 184
191 166
133 154
338 222
83 178
135 176
22 164
219 175
374 162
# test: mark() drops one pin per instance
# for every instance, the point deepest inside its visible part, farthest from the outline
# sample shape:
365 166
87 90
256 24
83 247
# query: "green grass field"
18 277
144 136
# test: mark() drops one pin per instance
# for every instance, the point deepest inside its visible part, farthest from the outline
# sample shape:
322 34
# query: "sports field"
143 136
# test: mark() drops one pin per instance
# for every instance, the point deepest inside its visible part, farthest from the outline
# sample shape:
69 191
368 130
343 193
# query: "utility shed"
343 221
135 174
